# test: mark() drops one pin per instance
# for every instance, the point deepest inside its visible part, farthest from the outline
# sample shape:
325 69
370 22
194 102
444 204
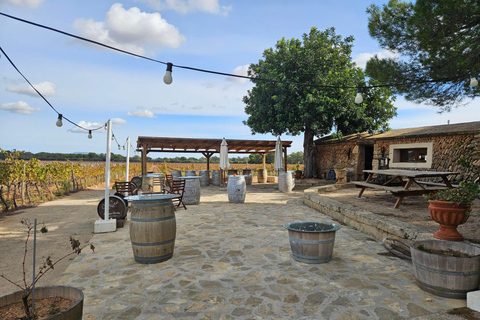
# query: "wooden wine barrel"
446 276
262 175
248 176
190 173
176 173
216 177
153 228
204 178
285 182
312 242
147 183
236 189
117 210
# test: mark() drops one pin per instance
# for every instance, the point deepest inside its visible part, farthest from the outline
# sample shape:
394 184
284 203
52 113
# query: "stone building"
452 147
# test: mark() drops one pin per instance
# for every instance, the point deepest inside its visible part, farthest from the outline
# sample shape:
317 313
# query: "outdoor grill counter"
152 227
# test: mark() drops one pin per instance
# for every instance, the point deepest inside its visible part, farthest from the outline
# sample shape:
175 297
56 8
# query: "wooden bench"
434 184
398 192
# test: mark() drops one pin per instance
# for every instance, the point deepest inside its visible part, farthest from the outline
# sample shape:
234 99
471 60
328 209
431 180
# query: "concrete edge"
367 222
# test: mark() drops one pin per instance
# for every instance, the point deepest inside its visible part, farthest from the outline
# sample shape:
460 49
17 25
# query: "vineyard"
26 183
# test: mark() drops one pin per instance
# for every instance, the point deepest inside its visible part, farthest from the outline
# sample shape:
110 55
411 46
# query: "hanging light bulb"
113 137
473 82
167 78
118 147
106 126
89 134
123 147
59 121
359 97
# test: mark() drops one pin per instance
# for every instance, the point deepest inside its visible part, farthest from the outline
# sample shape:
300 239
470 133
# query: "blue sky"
90 84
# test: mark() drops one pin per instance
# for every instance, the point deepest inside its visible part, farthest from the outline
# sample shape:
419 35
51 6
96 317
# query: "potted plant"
59 302
340 172
451 207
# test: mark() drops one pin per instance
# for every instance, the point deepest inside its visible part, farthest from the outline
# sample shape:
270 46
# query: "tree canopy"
435 40
311 90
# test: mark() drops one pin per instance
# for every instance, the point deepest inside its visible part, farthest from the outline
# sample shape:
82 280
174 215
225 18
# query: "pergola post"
263 159
285 155
207 155
144 160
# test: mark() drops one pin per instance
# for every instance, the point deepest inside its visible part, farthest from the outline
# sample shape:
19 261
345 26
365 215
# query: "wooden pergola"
207 147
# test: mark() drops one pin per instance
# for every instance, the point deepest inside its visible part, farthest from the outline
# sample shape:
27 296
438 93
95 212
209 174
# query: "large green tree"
312 91
435 40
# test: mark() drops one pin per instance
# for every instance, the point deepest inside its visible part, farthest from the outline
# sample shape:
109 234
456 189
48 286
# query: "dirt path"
72 215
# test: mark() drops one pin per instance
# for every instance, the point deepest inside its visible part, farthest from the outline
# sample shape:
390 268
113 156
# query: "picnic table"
406 179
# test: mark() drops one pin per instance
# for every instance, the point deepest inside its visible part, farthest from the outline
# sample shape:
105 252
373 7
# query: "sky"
90 84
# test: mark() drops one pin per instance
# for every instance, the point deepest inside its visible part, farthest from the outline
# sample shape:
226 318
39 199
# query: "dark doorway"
368 160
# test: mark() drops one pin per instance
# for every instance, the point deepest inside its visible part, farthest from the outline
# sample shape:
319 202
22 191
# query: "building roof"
440 130
430 131
164 144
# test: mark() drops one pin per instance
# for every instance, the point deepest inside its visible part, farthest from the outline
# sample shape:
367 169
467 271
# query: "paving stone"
234 262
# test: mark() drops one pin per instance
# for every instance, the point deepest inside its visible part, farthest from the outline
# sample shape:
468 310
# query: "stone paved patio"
233 261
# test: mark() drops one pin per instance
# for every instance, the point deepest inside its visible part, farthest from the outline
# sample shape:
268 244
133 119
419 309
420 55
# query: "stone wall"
329 155
449 153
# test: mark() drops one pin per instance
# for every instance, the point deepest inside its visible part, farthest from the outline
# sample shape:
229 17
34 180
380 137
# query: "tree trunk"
309 151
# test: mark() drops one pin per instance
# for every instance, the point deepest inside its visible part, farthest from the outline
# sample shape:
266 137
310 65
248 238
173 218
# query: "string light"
167 78
359 97
106 126
59 120
113 137
89 134
473 82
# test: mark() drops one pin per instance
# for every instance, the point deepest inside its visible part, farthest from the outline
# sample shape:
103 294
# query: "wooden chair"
178 187
126 188
168 182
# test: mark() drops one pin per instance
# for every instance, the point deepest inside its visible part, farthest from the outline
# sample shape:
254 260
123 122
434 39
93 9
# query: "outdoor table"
152 227
405 189
192 190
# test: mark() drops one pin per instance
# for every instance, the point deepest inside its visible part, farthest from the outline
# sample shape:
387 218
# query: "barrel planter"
312 242
247 173
216 177
74 312
236 189
147 183
262 175
152 228
190 173
204 178
176 173
286 183
446 275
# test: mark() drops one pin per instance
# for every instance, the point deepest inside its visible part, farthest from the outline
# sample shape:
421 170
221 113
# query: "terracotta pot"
298 174
340 175
449 216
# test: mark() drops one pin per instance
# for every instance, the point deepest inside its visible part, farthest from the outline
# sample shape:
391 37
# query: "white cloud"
23 3
46 88
18 107
241 71
362 58
190 6
142 114
131 30
118 121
